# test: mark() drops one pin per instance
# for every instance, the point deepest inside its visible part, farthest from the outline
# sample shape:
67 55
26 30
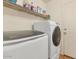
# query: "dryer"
54 37
25 45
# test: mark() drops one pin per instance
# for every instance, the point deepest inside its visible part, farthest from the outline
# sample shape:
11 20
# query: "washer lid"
13 35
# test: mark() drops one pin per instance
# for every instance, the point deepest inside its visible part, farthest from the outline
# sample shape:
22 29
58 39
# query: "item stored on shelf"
13 1
39 9
19 2
24 4
35 9
32 6
44 11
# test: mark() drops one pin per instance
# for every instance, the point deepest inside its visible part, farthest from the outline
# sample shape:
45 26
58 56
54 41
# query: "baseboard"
68 56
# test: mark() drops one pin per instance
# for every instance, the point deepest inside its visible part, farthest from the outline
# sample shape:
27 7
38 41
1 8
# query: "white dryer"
25 45
54 37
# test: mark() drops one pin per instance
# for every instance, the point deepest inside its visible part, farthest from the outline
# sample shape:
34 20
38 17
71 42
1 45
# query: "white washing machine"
25 45
54 37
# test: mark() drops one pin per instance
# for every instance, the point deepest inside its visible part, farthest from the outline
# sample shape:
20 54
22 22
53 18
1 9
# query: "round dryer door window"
56 37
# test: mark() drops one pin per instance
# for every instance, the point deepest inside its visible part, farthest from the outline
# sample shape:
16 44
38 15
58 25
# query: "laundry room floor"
65 57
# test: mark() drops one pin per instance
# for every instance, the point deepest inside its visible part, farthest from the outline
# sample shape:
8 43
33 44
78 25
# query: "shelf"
23 9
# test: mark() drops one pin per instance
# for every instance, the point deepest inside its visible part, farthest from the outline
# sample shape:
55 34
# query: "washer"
25 45
54 37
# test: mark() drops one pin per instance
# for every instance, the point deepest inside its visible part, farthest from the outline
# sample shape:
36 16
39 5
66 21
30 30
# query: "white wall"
15 20
63 12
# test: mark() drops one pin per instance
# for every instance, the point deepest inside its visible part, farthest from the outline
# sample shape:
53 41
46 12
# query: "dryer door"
56 37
